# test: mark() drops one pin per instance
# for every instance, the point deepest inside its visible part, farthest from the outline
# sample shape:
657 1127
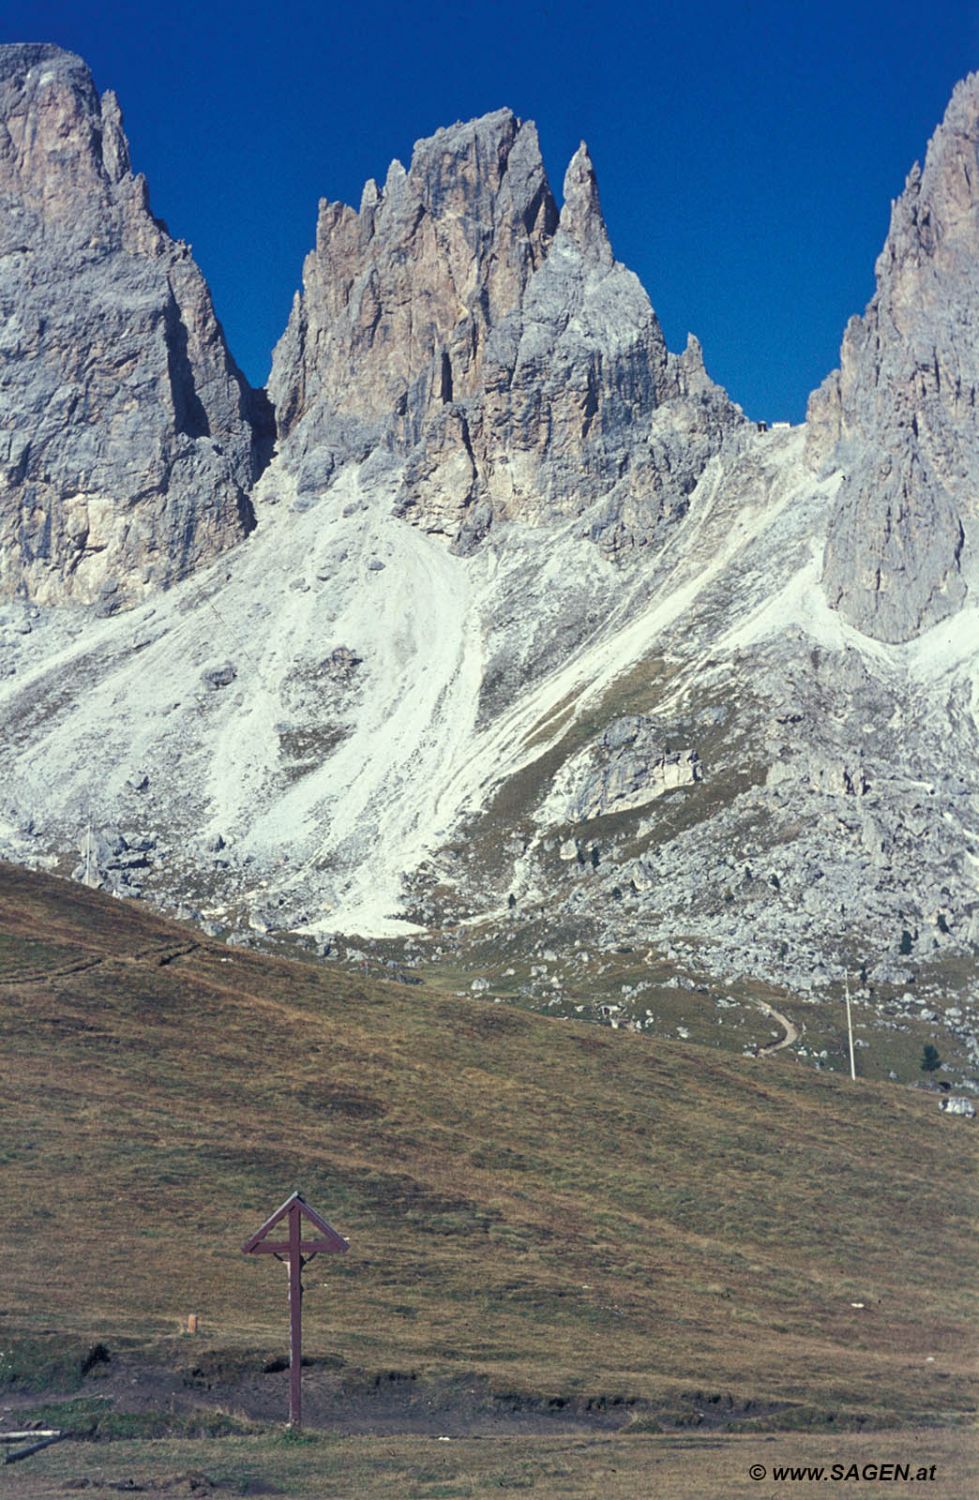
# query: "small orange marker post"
297 1252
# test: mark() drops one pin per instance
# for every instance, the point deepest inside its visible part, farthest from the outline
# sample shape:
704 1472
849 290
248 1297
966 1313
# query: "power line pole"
849 1026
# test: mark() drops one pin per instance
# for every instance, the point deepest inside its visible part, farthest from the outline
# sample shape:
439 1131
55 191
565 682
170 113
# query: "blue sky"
747 152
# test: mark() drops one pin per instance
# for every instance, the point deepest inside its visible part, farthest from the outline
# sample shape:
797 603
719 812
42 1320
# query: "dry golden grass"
557 1212
581 1467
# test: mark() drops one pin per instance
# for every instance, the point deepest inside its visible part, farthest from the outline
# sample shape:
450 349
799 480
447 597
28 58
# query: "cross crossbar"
283 1247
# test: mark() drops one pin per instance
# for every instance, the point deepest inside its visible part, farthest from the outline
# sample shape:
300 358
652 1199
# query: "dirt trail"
157 954
791 1030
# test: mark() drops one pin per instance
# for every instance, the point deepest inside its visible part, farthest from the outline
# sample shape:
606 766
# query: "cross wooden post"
296 1251
295 1321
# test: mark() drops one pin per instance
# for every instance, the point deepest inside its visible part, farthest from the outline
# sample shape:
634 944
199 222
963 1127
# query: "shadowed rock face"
899 416
494 348
127 435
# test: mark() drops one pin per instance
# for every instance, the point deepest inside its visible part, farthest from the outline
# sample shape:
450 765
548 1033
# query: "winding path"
790 1028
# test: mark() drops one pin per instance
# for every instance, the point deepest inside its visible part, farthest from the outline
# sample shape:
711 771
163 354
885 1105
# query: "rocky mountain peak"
130 439
581 215
115 147
949 179
455 324
51 140
899 416
692 374
406 289
462 167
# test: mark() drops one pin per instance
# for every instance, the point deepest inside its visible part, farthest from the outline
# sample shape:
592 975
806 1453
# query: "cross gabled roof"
327 1240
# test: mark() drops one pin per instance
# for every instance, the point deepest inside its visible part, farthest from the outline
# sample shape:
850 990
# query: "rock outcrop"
129 440
629 767
899 416
492 349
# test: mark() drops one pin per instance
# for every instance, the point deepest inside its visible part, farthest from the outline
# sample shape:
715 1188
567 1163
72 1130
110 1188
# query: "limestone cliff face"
127 434
900 416
493 347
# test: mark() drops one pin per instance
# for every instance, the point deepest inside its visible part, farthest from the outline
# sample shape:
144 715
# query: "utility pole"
849 1026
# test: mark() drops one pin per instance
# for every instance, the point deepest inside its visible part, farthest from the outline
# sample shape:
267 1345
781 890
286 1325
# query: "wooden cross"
297 1251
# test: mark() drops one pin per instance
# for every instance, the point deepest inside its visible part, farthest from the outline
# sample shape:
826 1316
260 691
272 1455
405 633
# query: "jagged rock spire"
581 216
458 323
432 260
900 417
127 449
115 147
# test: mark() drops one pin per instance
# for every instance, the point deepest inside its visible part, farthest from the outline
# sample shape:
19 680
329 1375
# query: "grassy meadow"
569 1245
